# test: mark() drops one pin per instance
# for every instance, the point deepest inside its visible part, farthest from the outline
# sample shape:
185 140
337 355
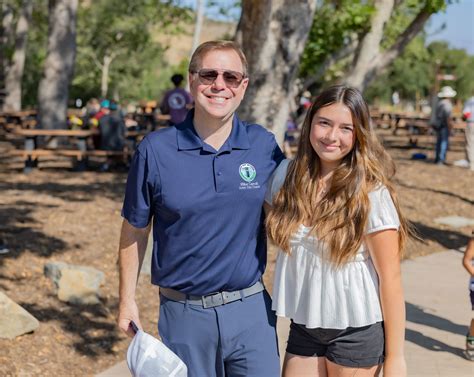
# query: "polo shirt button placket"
218 172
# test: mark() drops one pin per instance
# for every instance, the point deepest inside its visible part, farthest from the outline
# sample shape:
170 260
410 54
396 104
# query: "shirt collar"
187 137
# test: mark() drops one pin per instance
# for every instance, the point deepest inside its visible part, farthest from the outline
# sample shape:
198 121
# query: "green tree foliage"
456 62
413 73
405 13
35 53
334 25
124 32
128 29
340 24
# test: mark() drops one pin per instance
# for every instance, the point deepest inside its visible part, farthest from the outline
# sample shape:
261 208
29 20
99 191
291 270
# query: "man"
176 101
203 183
468 115
443 123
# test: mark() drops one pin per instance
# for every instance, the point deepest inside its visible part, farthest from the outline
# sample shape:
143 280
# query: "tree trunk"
369 47
274 33
7 24
198 24
397 48
5 39
104 83
15 70
53 90
369 62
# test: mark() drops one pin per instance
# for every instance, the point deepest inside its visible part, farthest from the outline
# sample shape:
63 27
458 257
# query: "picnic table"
413 122
77 146
416 125
13 119
151 121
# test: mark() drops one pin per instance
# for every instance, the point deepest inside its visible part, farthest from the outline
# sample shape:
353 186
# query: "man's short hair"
206 47
177 79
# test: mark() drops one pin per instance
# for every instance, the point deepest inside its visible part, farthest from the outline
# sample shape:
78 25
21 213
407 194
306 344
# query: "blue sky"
458 20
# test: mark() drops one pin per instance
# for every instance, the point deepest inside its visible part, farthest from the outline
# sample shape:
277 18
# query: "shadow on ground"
427 189
417 314
92 324
20 231
113 188
447 239
430 343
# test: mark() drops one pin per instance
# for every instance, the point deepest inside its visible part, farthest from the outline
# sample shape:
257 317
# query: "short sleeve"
276 181
383 214
277 155
142 187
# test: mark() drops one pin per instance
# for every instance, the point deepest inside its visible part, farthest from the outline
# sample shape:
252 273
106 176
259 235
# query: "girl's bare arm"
383 247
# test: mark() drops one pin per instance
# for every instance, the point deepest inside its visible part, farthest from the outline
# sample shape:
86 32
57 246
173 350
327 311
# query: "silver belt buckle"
212 300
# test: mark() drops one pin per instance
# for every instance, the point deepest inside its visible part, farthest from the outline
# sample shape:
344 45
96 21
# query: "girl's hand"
394 366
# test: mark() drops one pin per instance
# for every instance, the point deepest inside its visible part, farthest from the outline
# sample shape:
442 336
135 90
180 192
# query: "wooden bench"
415 125
78 149
151 121
68 153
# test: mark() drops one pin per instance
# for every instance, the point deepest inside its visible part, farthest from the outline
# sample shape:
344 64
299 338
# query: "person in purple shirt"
176 101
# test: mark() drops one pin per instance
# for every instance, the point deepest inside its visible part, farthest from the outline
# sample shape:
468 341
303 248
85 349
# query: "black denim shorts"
351 347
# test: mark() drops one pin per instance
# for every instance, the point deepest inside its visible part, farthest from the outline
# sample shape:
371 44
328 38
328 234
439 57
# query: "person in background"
112 133
96 114
443 123
290 138
304 103
468 116
177 101
103 110
92 107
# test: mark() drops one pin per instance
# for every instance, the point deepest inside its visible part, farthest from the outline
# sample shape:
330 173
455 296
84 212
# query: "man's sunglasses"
232 79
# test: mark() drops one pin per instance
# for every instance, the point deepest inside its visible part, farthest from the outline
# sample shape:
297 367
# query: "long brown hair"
340 217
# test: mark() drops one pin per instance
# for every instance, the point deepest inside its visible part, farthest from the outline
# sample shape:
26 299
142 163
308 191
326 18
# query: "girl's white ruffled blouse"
310 290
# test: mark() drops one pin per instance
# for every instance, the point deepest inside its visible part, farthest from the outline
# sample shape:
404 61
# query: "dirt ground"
56 214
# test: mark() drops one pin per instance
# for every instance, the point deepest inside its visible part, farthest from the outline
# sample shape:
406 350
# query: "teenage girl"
334 215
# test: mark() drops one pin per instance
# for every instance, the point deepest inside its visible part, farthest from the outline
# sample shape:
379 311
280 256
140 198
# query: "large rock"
75 284
15 320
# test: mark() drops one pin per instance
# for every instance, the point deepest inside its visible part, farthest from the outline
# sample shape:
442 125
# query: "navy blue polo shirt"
206 205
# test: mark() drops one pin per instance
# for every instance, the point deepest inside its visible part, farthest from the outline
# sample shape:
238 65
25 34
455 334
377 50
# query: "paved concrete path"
438 311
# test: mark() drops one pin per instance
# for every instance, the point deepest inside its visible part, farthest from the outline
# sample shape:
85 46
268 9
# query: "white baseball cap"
447 92
147 357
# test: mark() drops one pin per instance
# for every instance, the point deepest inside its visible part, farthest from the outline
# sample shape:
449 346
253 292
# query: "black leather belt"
213 299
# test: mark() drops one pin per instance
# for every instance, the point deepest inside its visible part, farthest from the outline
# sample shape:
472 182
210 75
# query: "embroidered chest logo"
247 172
